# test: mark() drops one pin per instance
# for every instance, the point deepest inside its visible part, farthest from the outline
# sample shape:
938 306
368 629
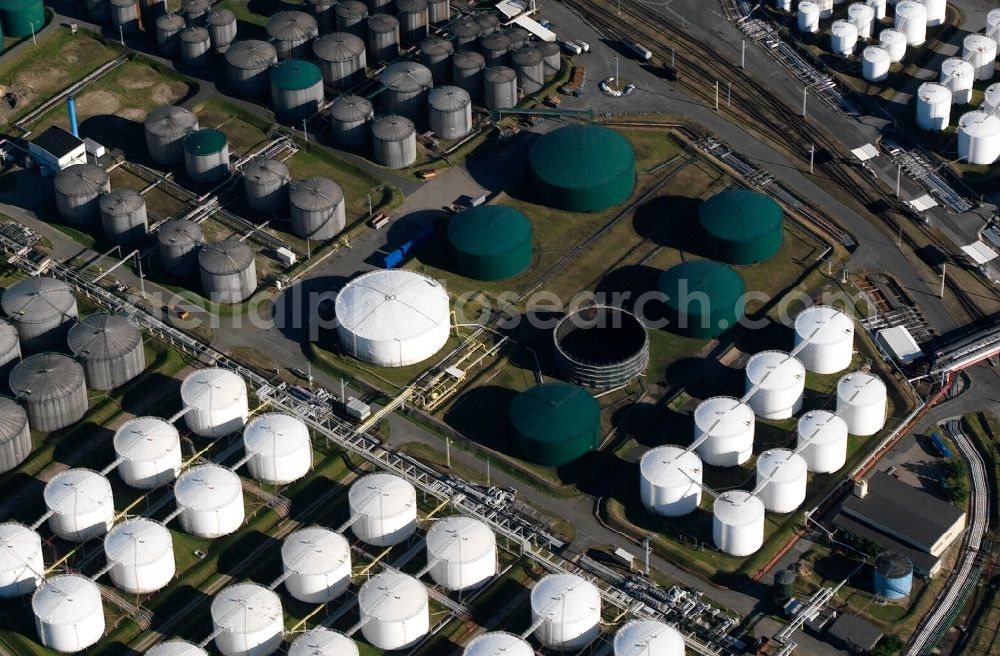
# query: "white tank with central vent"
980 51
978 141
911 20
828 334
843 37
22 565
808 20
319 563
498 643
383 509
894 43
322 642
211 501
567 610
959 76
648 638
278 447
81 503
670 481
730 426
216 402
461 552
150 450
933 106
738 523
69 616
822 441
862 17
394 609
784 477
862 402
141 554
780 382
875 63
936 11
176 648
249 620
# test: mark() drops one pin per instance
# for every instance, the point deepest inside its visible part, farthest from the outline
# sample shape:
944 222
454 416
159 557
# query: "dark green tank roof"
555 423
702 298
490 242
206 141
21 18
743 226
295 74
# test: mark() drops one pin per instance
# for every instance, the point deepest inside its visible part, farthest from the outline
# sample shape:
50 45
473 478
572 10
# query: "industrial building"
56 149
555 423
741 226
855 634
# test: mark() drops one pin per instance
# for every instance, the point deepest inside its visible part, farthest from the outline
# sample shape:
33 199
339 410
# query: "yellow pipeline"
364 570
437 510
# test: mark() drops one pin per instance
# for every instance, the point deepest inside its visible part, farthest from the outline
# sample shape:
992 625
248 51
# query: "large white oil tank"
875 63
822 441
862 17
933 106
862 403
730 426
959 76
843 37
461 553
993 24
783 5
150 449
808 17
278 447
783 475
569 611
828 335
216 401
826 7
392 317
980 51
249 620
670 481
22 565
498 643
979 137
991 98
140 552
936 10
878 6
648 638
394 609
211 501
780 382
911 20
69 616
894 43
738 523
318 562
322 642
81 503
383 509
176 648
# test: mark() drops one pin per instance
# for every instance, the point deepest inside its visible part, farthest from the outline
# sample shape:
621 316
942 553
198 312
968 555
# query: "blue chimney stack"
71 105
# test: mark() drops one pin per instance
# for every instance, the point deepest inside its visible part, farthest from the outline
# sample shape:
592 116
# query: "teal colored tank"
742 226
21 18
702 298
555 423
490 242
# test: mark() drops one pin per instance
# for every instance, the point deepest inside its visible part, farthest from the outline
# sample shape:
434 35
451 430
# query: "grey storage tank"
247 65
195 46
394 141
435 54
342 59
412 21
438 11
168 26
53 389
467 72
179 241
518 36
322 11
488 23
124 16
407 85
495 48
221 29
291 31
500 87
123 216
316 206
450 112
349 118
350 16
110 348
466 32
42 310
551 58
194 10
206 156
15 436
10 349
380 6
78 189
383 37
265 186
228 271
296 88
166 128
530 69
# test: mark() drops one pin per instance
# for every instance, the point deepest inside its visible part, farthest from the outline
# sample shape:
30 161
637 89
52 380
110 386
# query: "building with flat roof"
56 149
855 634
899 344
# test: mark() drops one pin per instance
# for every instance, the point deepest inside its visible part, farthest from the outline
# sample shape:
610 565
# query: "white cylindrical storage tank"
875 62
783 475
978 138
176 648
22 565
318 562
394 609
894 43
933 106
738 523
569 611
498 643
862 403
808 17
392 317
862 17
383 509
826 7
911 20
991 98
670 481
150 450
878 7
81 503
648 638
216 402
843 37
69 616
322 642
822 441
211 501
993 24
278 447
730 425
248 619
980 51
783 5
780 380
461 552
936 10
828 335
959 76
140 552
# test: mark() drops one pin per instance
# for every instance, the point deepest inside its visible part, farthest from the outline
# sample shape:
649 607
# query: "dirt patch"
94 103
71 52
163 93
136 82
133 114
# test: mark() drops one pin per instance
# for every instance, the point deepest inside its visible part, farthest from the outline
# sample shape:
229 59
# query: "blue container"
396 257
893 575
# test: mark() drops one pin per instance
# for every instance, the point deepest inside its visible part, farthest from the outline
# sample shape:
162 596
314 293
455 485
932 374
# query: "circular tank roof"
46 376
553 412
891 36
104 336
145 439
781 465
338 47
738 508
137 542
77 492
393 128
500 74
8 337
19 545
489 231
170 22
459 540
498 643
468 60
274 435
392 304
956 67
180 232
207 141
684 284
382 23
822 427
411 6
171 121
349 109
264 171
203 387
600 335
251 54
466 27
246 608
392 597
566 598
219 16
381 495
81 180
121 202
225 257
436 46
176 648
860 388
980 124
193 33
822 324
322 642
295 75
875 54
315 550
740 215
66 599
893 565
723 416
38 299
646 638
670 466
351 9
207 487
315 194
527 55
13 419
449 99
406 77
775 370
291 26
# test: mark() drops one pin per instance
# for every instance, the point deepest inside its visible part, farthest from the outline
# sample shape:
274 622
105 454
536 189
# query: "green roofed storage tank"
702 298
490 242
743 226
582 168
555 423
22 17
